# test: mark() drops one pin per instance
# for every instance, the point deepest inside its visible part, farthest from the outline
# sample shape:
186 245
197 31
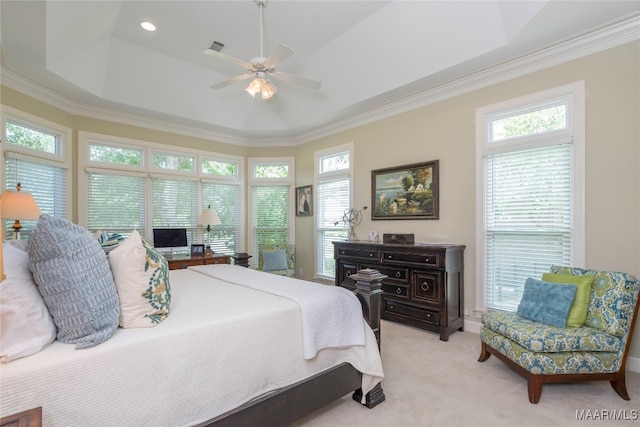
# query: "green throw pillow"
578 311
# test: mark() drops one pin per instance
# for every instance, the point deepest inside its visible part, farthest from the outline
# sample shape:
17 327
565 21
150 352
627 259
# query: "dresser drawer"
396 274
344 271
418 313
427 287
395 290
424 259
373 254
218 259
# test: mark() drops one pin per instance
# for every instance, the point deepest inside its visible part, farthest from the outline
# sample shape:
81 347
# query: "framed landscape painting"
405 192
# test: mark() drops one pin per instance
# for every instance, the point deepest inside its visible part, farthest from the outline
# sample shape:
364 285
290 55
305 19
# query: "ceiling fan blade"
281 53
231 81
227 58
311 84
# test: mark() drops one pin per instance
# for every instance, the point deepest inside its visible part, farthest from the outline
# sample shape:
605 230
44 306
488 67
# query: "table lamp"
17 205
209 217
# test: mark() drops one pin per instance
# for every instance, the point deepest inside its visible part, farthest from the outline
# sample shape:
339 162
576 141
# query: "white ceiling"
367 54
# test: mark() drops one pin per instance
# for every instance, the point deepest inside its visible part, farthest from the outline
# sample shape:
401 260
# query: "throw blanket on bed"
338 324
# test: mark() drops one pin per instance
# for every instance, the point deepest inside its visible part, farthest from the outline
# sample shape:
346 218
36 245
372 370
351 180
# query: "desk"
177 262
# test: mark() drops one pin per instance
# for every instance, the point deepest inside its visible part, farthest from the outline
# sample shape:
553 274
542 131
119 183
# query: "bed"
231 352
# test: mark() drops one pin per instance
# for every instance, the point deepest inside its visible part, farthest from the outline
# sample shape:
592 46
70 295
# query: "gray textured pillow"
274 260
73 275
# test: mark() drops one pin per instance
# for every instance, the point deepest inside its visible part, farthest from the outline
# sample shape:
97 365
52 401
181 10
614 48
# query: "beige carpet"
429 382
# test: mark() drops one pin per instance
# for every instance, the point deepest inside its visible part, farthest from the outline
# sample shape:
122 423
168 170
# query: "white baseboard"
633 363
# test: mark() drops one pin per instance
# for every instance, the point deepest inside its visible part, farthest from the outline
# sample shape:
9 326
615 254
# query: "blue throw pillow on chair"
547 302
274 260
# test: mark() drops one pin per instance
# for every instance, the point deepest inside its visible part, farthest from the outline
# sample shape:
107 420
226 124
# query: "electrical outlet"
300 272
466 312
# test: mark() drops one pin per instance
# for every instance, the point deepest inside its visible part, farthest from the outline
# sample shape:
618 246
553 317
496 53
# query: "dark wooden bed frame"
294 402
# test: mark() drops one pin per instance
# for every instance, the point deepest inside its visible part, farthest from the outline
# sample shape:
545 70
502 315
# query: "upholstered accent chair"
277 259
594 351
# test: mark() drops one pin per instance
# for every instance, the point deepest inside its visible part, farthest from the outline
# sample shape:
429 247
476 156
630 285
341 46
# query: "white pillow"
26 327
142 278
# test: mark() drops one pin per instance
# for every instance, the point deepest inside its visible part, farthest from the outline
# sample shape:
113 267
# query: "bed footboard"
301 399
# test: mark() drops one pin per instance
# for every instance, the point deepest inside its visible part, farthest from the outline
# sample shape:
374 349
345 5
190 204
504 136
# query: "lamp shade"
209 217
19 205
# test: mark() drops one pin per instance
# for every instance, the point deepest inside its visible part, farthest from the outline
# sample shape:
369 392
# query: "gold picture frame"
406 192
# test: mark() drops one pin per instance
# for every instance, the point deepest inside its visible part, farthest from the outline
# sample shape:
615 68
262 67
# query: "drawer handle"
392 306
426 260
425 286
348 273
429 315
398 291
389 256
398 274
342 252
371 254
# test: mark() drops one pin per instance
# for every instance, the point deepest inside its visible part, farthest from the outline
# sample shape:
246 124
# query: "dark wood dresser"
180 262
424 285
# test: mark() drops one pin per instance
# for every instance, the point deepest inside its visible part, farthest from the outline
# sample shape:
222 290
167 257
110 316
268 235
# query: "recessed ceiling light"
148 26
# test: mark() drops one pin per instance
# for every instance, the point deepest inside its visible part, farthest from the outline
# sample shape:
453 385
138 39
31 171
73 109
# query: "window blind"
270 214
332 201
45 181
174 205
528 219
115 203
225 200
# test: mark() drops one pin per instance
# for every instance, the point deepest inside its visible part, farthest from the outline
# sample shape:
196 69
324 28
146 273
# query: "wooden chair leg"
619 385
484 354
534 384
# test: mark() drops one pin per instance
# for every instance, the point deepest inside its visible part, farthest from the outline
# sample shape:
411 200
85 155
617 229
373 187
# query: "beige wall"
445 131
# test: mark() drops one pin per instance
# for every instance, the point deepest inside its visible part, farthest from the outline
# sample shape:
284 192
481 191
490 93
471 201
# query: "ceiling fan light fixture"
255 87
268 90
261 86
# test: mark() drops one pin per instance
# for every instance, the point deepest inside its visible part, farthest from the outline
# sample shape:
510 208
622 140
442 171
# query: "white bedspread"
331 316
221 346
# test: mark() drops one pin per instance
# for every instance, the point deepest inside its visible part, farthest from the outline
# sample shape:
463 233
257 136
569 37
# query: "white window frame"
575 130
252 163
85 139
62 157
319 177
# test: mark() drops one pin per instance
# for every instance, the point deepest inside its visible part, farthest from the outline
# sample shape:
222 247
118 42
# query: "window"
272 202
333 175
139 185
36 155
530 154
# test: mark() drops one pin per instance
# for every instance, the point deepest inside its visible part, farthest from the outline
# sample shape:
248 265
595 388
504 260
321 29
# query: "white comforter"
221 346
331 316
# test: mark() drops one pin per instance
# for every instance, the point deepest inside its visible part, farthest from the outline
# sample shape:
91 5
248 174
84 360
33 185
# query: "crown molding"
623 32
596 41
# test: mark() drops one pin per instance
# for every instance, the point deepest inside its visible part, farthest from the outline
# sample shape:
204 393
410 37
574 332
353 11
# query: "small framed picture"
197 250
305 201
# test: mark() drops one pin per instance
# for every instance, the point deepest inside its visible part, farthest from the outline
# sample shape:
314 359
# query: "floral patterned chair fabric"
548 354
277 259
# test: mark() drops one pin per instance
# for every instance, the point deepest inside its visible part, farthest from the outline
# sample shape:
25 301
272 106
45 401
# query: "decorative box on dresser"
180 262
424 285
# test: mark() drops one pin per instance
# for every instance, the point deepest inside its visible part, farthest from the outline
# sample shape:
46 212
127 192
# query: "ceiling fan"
260 67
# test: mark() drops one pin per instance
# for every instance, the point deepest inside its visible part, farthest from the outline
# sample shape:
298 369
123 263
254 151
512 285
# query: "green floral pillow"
579 308
612 298
142 278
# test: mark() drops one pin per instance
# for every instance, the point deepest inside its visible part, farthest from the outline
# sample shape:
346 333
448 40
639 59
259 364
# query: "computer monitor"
170 240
